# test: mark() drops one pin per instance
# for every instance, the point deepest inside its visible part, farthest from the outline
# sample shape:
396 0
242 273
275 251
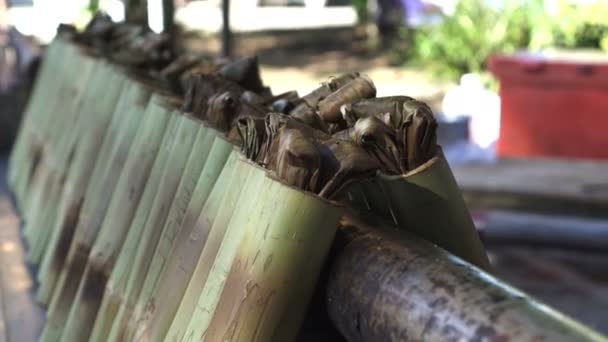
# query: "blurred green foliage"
361 9
571 26
93 6
463 41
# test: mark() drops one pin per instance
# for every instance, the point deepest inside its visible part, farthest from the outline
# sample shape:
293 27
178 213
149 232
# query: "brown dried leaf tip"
393 135
412 122
306 158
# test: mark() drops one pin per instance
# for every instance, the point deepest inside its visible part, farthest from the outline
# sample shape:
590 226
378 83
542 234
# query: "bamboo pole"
135 191
388 285
157 238
217 159
162 199
425 201
93 211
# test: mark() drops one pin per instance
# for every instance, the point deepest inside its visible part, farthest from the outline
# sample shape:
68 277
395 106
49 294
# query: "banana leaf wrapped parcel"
386 161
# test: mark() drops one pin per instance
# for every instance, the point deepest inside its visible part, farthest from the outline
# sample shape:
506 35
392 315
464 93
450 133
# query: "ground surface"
21 318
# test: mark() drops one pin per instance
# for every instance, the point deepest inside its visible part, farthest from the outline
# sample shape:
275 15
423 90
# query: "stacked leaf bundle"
146 222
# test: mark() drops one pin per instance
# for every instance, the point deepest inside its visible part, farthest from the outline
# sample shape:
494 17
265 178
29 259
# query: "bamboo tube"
42 94
168 185
63 127
50 170
91 164
117 210
228 206
57 176
133 198
47 123
157 239
91 133
40 134
93 211
185 254
216 161
428 202
37 100
256 192
278 261
261 304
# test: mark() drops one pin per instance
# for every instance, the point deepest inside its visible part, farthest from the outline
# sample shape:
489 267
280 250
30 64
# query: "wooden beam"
386 285
226 33
168 16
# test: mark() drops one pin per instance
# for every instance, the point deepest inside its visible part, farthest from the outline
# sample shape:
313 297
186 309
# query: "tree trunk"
136 11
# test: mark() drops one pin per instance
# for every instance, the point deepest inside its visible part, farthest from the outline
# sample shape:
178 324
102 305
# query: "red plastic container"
553 104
